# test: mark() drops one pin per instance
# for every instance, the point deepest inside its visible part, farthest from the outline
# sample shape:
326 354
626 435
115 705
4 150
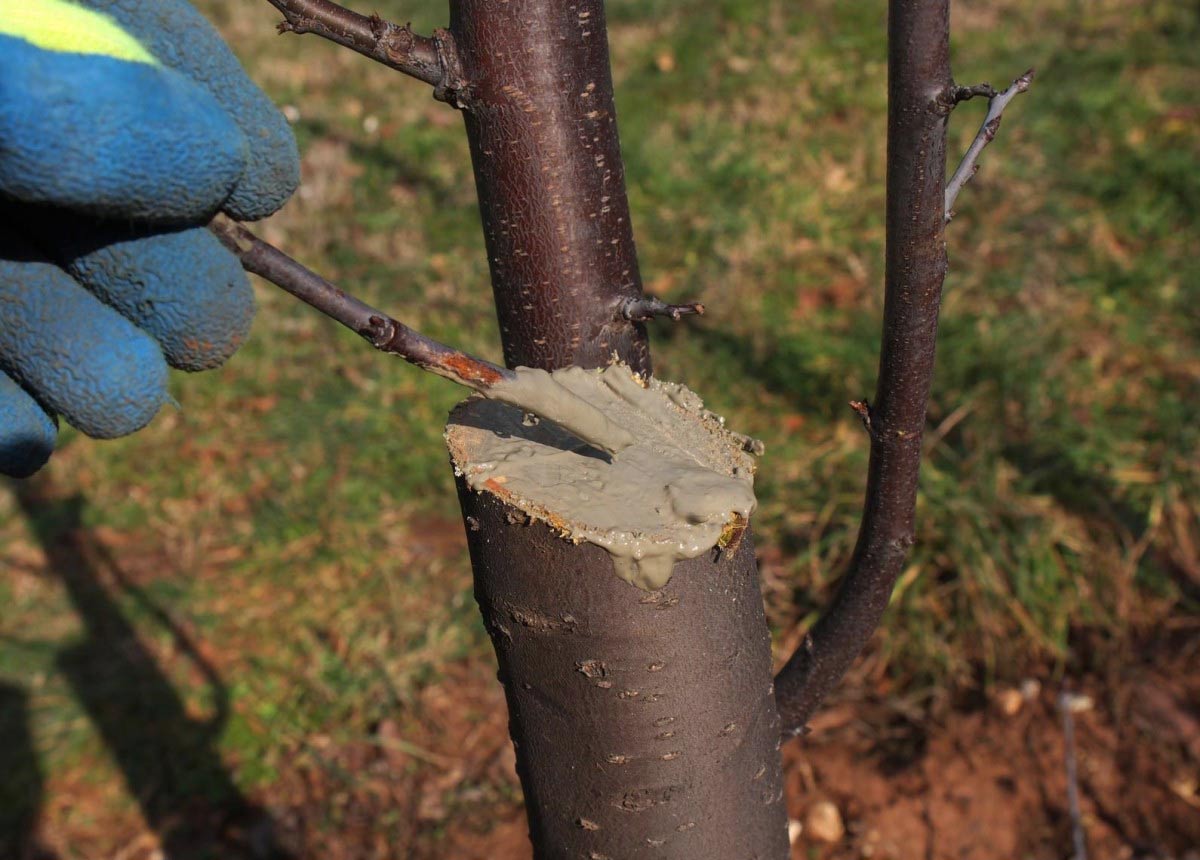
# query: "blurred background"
249 629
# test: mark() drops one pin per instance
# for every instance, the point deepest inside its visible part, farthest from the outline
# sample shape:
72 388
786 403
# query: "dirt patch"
980 783
991 782
977 785
436 778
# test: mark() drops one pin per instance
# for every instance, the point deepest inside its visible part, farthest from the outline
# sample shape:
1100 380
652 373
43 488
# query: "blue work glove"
125 125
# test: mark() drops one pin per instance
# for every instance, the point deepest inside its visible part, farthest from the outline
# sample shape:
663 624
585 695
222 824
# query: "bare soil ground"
984 783
979 784
980 779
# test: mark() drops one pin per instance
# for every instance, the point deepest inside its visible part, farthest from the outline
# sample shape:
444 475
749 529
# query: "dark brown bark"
644 724
540 118
921 94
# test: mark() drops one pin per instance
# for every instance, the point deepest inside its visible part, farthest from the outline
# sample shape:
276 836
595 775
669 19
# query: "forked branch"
432 60
997 102
919 201
920 90
376 327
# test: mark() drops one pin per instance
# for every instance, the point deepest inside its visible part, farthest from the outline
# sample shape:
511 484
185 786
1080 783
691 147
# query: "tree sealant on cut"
643 471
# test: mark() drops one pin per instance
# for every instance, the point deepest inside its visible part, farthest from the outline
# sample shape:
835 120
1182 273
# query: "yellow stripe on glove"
56 25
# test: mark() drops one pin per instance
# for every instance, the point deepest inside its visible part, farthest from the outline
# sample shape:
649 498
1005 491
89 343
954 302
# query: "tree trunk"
644 722
543 132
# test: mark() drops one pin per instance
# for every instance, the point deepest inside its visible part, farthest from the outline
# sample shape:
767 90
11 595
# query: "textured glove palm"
122 126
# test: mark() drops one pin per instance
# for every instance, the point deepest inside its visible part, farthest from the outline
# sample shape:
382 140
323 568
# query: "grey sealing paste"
643 471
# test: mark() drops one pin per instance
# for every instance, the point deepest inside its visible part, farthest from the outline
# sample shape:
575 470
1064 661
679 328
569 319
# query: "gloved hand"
125 125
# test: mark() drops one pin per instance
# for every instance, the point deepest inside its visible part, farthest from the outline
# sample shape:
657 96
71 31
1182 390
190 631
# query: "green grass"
1059 494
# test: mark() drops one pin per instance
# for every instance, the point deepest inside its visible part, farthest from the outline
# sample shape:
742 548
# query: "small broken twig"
962 94
997 102
643 308
862 408
379 329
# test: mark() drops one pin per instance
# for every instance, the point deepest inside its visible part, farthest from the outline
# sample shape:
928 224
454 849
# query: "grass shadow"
409 172
21 779
817 373
169 759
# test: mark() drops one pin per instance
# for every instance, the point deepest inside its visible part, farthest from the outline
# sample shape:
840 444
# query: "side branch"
431 60
642 308
962 94
997 102
919 85
376 327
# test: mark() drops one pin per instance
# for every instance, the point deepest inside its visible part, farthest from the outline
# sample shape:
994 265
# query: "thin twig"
1065 705
379 329
642 308
997 102
432 60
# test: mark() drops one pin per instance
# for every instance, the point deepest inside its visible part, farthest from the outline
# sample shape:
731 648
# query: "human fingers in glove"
125 125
